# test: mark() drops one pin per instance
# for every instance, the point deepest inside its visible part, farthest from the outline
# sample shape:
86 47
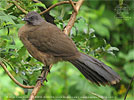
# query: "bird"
49 45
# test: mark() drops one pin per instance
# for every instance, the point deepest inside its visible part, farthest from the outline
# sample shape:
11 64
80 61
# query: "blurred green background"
103 29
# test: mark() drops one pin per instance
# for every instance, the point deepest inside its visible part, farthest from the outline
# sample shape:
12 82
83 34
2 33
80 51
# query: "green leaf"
107 47
54 1
127 57
1 9
113 49
101 30
92 15
129 68
122 55
101 10
17 25
3 3
7 18
106 21
22 51
40 5
0 59
130 55
81 25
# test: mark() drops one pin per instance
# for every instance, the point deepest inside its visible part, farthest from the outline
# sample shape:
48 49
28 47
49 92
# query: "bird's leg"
45 68
48 68
42 79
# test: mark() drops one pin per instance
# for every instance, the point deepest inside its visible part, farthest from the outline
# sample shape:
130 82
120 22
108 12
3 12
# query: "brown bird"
48 44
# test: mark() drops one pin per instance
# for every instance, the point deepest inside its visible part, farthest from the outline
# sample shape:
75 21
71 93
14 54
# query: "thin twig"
98 96
73 5
128 88
23 10
57 4
73 17
38 84
10 75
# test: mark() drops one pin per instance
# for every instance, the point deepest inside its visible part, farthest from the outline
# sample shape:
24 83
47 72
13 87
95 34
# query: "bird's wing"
50 39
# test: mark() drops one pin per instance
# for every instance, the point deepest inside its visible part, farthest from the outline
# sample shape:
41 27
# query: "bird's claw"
42 79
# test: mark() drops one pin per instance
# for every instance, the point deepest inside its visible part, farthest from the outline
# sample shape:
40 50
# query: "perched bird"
48 44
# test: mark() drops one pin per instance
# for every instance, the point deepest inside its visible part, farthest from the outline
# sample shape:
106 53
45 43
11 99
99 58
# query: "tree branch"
10 75
57 4
73 5
66 31
128 88
73 17
38 84
23 10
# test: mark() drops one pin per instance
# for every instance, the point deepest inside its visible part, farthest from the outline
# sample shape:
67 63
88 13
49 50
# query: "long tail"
95 71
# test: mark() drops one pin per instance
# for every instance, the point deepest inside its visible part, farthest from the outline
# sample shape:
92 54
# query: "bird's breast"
43 57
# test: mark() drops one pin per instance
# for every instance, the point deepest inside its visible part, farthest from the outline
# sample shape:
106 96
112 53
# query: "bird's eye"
31 17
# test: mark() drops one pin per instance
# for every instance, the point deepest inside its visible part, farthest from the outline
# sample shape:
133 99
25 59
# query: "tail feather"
85 73
95 71
90 74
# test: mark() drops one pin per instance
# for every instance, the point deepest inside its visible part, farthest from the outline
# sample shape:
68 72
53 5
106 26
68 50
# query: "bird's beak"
25 19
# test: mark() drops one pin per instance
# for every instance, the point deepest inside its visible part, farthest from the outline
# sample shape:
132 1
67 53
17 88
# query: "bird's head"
33 18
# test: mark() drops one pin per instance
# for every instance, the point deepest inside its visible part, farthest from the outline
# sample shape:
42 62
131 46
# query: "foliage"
98 31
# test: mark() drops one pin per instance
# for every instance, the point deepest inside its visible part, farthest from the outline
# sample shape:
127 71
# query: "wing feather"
50 39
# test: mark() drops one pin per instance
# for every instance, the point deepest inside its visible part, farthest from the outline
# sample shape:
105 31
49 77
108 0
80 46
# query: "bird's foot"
42 79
